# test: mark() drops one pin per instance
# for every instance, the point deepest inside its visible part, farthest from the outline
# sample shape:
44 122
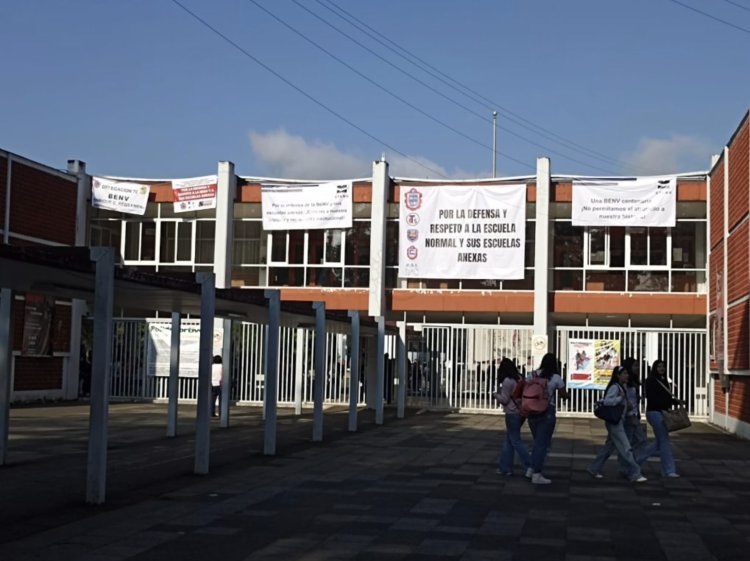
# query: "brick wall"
737 263
42 205
738 335
716 224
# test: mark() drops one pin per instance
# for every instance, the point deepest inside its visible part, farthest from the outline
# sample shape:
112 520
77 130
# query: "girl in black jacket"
660 398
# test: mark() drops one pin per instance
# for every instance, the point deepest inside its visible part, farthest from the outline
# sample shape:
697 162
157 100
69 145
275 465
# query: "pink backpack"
534 400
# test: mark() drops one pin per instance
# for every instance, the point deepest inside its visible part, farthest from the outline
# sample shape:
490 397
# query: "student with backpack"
538 404
617 439
512 445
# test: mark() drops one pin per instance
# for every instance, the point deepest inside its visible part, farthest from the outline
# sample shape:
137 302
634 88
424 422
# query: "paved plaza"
420 488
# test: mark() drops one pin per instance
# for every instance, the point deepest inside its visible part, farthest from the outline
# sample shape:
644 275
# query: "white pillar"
205 356
379 212
541 260
226 190
78 307
6 368
101 366
380 370
299 368
401 353
173 386
354 371
320 370
271 374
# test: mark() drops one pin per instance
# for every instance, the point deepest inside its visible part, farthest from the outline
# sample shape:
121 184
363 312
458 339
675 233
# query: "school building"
676 292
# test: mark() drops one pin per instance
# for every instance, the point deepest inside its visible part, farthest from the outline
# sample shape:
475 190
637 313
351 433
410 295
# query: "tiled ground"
420 488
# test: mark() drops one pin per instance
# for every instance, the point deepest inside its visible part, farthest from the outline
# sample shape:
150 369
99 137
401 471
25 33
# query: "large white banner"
195 193
160 342
644 201
307 207
462 232
130 198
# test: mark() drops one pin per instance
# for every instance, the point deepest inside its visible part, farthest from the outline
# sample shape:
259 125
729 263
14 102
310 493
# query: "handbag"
676 419
609 413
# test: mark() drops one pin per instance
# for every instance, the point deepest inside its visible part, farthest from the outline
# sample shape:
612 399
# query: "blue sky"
140 88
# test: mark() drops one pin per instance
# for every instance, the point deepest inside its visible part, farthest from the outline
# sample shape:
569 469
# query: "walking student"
659 398
542 425
217 375
512 445
614 395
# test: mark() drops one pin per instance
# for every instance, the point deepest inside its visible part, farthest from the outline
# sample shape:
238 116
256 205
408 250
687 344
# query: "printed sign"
644 201
160 342
197 193
591 361
307 207
462 232
37 325
119 196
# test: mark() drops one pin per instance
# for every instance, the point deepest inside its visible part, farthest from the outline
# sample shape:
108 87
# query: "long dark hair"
548 366
652 372
507 369
633 379
614 378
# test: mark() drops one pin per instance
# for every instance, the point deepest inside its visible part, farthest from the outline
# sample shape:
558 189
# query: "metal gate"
455 366
684 351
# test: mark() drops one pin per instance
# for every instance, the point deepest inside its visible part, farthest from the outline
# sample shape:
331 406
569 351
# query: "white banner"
196 193
160 341
119 196
462 232
644 201
307 207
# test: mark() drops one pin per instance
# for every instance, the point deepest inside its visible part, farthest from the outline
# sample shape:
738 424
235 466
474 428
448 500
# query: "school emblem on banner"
412 252
413 199
412 219
412 234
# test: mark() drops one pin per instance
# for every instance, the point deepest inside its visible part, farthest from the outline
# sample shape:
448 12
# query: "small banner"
119 196
196 193
462 232
160 342
307 207
643 201
37 325
591 361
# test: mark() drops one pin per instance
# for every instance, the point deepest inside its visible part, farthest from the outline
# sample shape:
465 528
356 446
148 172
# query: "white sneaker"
529 473
673 475
640 479
539 479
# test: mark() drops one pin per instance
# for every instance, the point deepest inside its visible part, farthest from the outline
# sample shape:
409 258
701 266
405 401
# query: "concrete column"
205 356
174 376
101 370
299 369
542 256
78 307
371 372
380 185
272 371
380 370
6 368
227 363
401 354
320 370
354 372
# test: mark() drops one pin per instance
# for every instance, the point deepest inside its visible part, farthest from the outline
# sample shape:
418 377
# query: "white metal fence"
448 366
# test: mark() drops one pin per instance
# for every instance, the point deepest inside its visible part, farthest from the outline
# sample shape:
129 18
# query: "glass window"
315 247
333 240
132 241
184 241
166 251
597 246
205 234
249 243
568 245
297 246
278 246
358 244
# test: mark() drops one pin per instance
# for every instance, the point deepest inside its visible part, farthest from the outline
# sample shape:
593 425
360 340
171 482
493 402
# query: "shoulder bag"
677 418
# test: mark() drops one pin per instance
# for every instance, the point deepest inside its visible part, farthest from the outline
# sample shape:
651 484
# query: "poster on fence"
160 341
590 362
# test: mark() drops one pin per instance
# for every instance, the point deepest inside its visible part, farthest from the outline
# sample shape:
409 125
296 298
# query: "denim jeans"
542 426
637 438
513 444
215 398
663 444
617 440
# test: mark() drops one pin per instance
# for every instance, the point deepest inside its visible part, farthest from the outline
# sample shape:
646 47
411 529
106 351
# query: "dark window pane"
204 241
617 247
184 241
605 281
297 246
358 244
315 247
638 246
357 278
166 251
568 280
658 246
648 281
278 246
391 243
568 245
132 240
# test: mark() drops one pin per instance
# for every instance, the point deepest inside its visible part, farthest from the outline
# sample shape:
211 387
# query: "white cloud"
680 153
293 157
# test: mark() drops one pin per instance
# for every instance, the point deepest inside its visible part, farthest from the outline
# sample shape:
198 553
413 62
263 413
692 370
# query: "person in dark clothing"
660 398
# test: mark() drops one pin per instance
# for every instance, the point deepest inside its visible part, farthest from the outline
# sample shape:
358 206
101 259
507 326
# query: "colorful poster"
462 232
307 207
643 201
119 196
591 361
37 325
160 342
196 193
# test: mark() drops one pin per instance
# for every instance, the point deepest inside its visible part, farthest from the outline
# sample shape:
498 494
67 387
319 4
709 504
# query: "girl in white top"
217 375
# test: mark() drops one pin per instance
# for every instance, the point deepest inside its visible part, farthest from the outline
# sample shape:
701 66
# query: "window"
649 247
140 241
605 247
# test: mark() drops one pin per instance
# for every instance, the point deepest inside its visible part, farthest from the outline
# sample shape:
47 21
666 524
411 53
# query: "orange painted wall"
618 303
